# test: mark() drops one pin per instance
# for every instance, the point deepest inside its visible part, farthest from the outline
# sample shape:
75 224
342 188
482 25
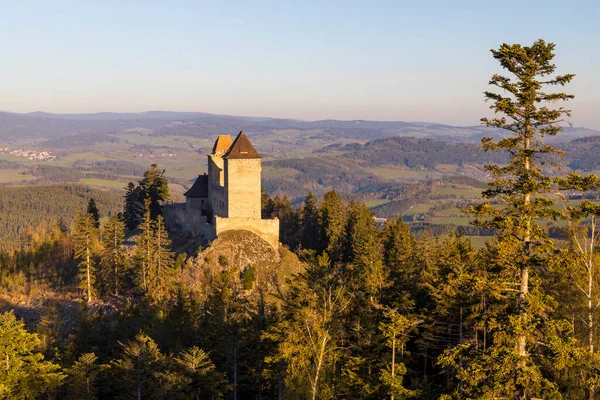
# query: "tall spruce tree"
161 269
156 188
24 373
83 376
139 371
145 249
525 336
333 218
85 236
200 379
309 223
93 210
134 206
113 257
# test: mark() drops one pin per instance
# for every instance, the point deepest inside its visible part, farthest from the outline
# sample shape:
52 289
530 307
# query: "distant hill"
46 125
415 152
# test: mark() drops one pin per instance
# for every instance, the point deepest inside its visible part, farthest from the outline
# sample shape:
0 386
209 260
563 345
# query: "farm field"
104 183
14 176
375 203
396 173
466 193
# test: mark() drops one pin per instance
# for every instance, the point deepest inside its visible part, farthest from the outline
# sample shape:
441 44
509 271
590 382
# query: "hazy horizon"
352 60
263 116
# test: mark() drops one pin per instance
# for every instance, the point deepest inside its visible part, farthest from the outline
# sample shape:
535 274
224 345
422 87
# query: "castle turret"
242 179
217 194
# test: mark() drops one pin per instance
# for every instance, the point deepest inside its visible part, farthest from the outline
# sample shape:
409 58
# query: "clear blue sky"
389 60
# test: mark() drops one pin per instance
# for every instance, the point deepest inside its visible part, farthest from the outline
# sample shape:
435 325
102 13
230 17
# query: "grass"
447 168
14 176
418 209
451 221
449 212
104 183
377 202
395 173
467 193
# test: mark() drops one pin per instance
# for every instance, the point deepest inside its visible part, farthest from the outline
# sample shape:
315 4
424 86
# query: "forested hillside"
24 208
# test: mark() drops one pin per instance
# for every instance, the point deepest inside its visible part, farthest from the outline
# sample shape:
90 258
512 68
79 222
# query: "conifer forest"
103 302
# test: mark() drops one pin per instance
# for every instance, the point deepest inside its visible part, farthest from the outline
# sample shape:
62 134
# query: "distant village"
29 154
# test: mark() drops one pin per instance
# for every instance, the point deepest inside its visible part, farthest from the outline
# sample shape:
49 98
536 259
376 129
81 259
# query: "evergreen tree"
156 188
365 277
93 210
405 264
24 373
84 238
333 218
134 206
200 378
138 373
288 221
145 249
161 268
267 208
82 377
229 321
396 329
113 257
578 287
524 337
458 305
309 223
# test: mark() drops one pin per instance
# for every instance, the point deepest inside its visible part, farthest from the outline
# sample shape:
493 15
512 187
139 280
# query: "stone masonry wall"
268 229
242 183
217 195
179 218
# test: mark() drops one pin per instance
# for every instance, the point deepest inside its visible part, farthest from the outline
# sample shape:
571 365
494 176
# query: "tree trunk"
116 264
393 364
88 266
524 288
139 383
315 383
279 388
235 355
590 294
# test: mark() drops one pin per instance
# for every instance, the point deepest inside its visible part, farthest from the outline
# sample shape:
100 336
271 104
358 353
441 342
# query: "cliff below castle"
253 261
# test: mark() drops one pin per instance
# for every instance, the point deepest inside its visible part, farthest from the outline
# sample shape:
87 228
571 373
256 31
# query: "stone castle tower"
229 196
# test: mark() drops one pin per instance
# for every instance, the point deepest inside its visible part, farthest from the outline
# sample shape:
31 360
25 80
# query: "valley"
425 172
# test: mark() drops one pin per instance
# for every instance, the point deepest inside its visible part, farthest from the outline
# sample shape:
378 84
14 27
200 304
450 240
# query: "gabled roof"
241 149
222 143
199 188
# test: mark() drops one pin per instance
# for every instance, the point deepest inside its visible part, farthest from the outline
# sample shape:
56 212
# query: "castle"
229 196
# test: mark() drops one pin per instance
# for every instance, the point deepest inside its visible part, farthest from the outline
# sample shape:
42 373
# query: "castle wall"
179 218
217 194
268 229
199 203
242 183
